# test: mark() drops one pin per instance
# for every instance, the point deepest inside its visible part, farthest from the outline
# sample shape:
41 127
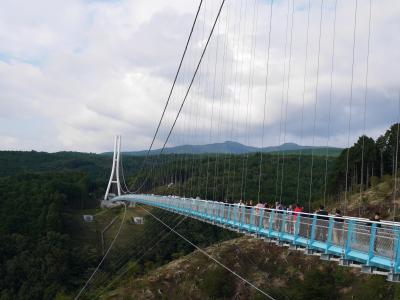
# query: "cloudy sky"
74 73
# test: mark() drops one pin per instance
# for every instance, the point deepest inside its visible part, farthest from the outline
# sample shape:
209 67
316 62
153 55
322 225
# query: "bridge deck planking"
358 240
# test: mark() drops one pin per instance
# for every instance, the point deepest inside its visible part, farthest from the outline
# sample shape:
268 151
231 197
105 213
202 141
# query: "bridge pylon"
114 177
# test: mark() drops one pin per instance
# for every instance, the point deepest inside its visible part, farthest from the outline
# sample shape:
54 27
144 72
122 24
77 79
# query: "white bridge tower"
114 177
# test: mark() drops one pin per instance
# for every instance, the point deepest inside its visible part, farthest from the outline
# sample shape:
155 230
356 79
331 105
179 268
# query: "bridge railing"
371 243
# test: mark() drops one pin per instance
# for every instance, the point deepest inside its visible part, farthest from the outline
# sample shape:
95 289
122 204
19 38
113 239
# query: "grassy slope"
378 198
282 273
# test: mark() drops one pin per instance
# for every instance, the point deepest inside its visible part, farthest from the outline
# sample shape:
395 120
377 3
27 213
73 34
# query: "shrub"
374 181
219 284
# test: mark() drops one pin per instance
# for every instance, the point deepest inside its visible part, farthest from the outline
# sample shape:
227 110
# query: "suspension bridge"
254 71
357 242
351 241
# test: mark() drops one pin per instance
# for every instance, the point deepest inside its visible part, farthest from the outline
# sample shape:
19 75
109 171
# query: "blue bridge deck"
372 245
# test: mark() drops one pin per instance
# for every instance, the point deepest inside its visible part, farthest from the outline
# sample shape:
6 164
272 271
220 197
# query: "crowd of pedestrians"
317 225
292 211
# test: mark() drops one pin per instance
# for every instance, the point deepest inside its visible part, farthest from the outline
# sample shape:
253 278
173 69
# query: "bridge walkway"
374 246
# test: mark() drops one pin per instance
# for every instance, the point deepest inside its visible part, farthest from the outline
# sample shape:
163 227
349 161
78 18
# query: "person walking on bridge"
338 227
377 219
297 210
322 223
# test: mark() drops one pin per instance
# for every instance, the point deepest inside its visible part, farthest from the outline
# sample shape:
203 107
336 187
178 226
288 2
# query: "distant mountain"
237 148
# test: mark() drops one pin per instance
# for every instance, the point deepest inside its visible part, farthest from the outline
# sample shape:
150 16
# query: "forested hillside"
367 159
37 258
45 253
96 166
40 195
234 177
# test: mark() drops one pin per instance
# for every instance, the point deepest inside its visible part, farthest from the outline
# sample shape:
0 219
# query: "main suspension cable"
239 82
265 101
303 100
365 110
105 255
157 241
331 99
397 156
282 102
315 107
287 99
250 95
190 85
173 83
350 106
209 256
236 102
210 134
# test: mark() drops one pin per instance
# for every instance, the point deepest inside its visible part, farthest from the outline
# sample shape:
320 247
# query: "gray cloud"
74 73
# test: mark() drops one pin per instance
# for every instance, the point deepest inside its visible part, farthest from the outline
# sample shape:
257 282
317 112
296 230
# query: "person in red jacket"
297 209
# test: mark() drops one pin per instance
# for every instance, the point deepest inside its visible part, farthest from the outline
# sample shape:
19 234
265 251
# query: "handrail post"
312 233
271 220
330 230
235 215
349 237
243 209
283 225
251 225
221 209
371 243
397 251
225 209
228 216
297 228
260 222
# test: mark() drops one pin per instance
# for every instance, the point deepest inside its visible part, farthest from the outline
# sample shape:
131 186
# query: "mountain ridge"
231 147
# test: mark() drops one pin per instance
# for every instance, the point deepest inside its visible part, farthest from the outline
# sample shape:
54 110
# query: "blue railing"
372 244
